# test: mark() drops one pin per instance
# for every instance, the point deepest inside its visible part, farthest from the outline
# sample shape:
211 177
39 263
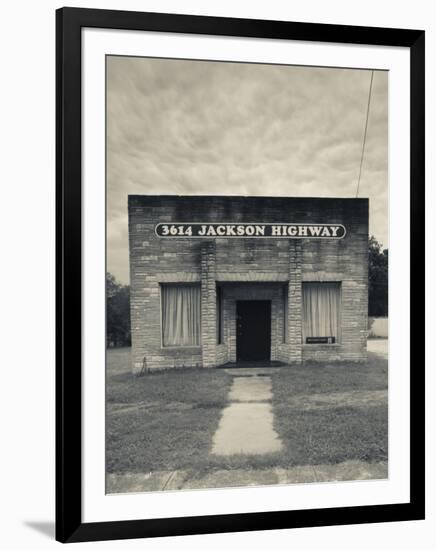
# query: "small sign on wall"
320 340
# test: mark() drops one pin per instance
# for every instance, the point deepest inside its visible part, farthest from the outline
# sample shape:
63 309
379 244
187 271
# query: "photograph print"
247 274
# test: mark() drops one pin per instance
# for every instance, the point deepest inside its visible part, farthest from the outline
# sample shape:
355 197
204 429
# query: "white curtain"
321 309
219 315
285 313
181 315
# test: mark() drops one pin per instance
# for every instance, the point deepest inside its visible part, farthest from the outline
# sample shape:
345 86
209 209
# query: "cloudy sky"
195 127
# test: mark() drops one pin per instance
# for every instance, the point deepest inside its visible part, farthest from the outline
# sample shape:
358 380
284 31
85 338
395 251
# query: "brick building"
224 279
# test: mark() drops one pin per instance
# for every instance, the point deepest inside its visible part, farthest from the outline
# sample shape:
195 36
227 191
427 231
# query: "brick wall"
246 267
208 303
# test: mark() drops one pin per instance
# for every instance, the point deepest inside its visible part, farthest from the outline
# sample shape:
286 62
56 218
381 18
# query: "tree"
377 279
117 313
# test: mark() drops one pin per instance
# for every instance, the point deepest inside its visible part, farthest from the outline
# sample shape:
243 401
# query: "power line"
364 135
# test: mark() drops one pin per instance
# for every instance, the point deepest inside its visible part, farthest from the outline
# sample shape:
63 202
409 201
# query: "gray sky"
213 128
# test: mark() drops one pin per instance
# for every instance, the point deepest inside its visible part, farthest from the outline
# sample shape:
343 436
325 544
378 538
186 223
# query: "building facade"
218 280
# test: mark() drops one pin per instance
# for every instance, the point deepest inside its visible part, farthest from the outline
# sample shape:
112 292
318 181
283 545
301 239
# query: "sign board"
250 230
320 340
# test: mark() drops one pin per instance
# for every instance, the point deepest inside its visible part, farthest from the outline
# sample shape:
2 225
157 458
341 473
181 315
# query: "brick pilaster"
208 303
295 302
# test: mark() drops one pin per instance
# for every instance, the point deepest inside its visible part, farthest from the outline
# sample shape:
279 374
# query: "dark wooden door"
253 330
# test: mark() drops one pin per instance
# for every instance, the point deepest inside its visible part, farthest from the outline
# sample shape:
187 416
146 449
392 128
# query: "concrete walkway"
379 346
246 425
351 470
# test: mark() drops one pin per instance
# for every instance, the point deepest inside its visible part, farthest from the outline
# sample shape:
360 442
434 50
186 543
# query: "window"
181 315
219 315
285 314
321 312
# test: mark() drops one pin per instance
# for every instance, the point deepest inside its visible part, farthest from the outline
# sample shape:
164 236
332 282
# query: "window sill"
189 349
308 346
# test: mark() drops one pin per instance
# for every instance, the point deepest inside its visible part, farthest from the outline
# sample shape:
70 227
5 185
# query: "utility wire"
364 135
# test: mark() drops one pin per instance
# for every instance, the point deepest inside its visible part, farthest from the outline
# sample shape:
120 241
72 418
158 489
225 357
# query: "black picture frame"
69 22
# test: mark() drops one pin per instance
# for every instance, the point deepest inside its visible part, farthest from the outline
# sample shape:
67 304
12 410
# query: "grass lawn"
166 420
161 421
329 414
